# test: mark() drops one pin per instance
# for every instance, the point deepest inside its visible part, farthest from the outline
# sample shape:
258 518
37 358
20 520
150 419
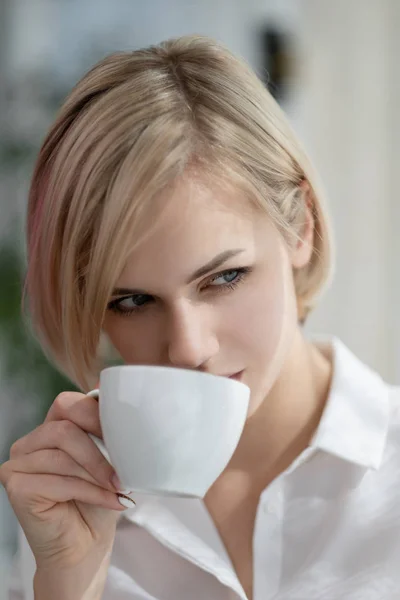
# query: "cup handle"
99 443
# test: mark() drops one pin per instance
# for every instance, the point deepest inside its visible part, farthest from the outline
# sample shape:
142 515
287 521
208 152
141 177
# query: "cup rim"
169 369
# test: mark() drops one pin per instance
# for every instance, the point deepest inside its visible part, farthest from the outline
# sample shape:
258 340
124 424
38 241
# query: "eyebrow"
213 264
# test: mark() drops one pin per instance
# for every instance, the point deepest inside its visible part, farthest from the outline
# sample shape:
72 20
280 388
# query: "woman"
173 213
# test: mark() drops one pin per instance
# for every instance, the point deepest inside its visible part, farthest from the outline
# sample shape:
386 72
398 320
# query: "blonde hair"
133 124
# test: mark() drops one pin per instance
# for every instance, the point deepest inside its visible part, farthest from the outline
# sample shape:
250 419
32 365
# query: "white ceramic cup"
169 431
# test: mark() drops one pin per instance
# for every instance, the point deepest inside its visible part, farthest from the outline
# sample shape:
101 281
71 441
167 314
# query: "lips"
237 376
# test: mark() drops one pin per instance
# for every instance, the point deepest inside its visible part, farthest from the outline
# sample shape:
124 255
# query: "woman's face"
210 289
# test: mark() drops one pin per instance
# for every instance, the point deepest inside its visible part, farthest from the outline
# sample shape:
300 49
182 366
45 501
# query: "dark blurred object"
14 152
277 60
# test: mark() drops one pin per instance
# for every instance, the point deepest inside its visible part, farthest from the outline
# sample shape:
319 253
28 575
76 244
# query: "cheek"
132 343
257 319
267 332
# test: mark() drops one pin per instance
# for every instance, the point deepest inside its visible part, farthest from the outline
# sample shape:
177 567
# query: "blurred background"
333 66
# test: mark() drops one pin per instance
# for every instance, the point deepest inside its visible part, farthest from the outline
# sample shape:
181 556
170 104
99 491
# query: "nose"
191 341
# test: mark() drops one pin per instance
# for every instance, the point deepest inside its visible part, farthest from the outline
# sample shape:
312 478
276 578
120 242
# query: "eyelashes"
133 304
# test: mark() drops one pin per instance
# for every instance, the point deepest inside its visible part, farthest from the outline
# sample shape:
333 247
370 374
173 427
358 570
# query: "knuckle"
15 449
64 428
59 459
62 400
13 486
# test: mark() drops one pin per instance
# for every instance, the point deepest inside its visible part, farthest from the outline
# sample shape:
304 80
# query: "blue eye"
129 304
132 302
228 277
222 282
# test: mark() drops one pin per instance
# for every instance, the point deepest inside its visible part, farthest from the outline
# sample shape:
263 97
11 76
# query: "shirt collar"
184 526
353 427
355 420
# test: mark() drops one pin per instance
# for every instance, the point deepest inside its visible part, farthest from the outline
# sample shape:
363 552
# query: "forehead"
192 209
189 224
193 198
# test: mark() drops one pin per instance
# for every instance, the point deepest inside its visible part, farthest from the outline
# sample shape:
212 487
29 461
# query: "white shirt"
328 528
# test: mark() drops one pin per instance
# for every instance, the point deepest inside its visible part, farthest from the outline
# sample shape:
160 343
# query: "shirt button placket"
268 544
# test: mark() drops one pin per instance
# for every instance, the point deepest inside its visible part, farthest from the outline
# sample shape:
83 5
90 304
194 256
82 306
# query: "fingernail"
125 501
118 485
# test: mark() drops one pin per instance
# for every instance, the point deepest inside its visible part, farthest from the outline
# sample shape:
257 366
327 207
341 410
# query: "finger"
78 408
51 462
42 492
66 436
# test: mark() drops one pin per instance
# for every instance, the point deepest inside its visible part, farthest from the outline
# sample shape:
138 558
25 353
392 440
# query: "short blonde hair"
134 123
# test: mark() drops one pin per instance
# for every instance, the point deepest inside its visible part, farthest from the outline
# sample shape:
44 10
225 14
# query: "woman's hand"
63 492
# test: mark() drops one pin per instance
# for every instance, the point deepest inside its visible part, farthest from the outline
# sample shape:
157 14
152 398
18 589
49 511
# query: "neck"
284 424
